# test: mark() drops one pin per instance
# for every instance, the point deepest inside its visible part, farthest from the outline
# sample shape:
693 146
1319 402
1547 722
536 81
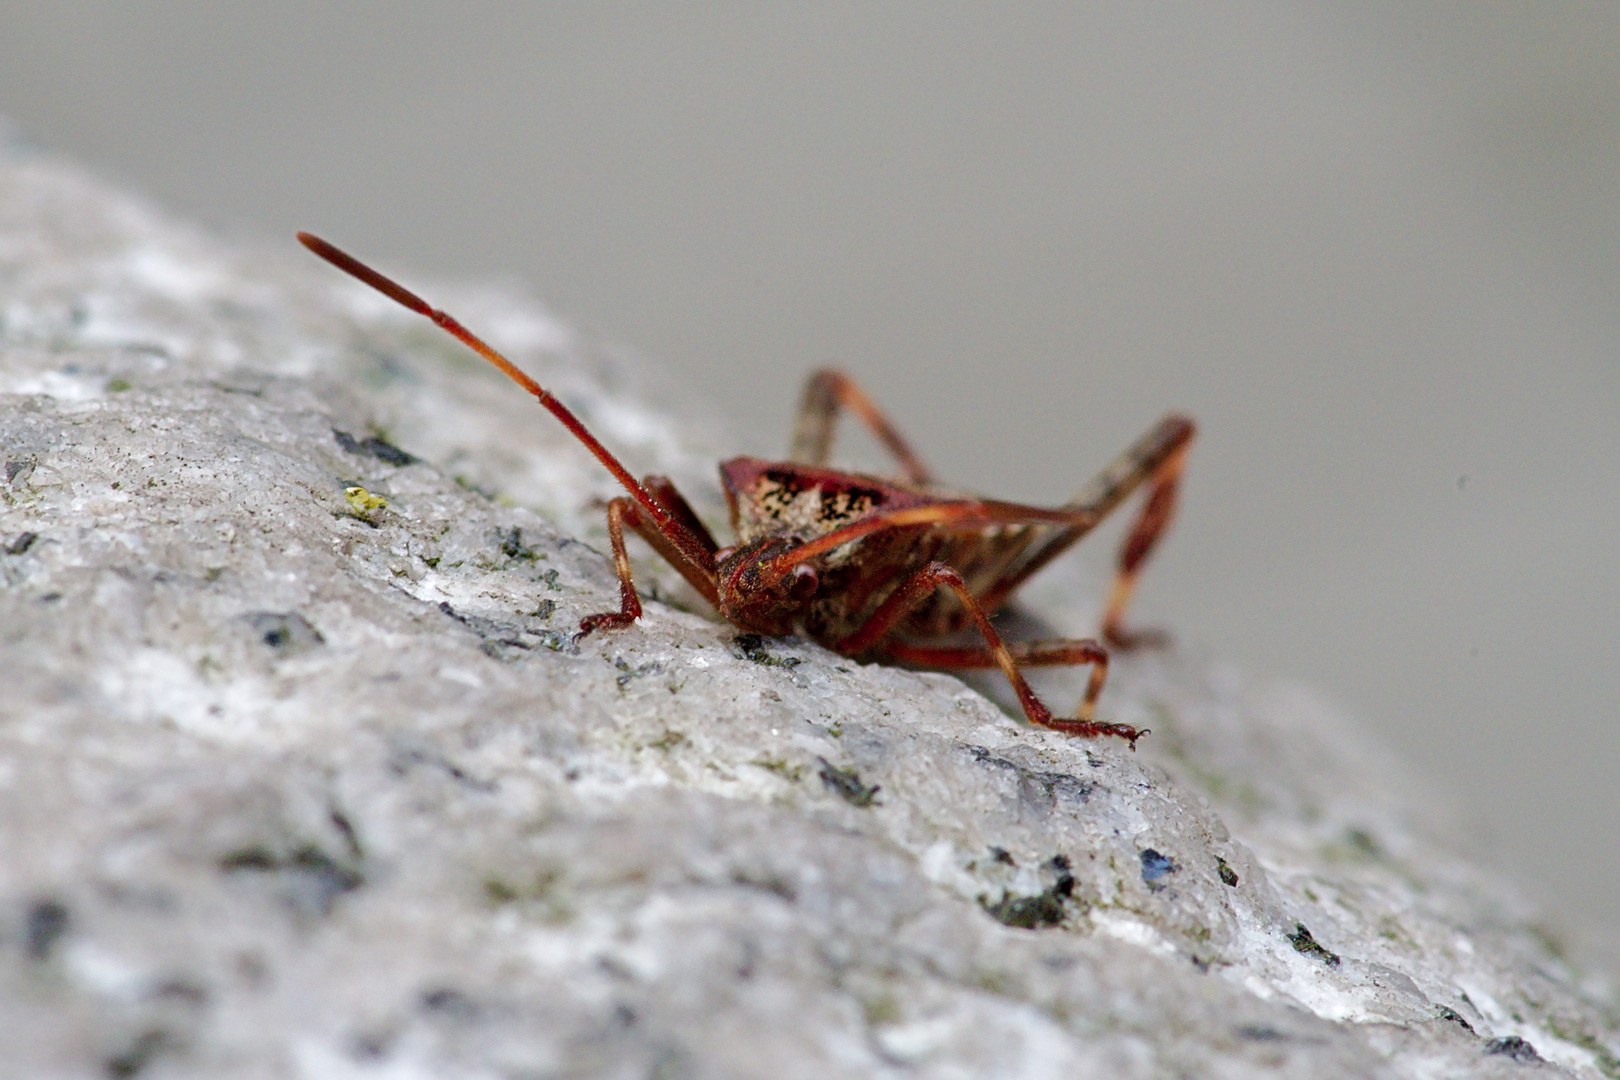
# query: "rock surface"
296 784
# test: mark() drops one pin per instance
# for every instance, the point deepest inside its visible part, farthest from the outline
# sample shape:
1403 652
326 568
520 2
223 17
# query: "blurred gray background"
1374 248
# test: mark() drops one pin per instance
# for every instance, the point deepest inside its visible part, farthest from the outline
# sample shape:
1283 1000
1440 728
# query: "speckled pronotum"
870 567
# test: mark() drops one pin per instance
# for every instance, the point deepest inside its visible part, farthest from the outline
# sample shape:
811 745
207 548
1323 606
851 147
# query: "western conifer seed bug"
869 567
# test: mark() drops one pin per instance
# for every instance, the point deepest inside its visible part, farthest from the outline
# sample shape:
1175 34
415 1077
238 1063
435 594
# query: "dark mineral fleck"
1156 866
47 921
847 784
287 632
1045 908
1514 1047
381 449
1303 942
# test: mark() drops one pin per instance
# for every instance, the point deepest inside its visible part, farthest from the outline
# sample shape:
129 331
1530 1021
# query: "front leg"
694 558
619 511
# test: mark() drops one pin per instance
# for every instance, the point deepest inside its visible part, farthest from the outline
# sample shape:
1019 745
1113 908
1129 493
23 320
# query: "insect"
872 568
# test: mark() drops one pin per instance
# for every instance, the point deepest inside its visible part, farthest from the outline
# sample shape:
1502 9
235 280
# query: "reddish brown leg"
695 558
824 394
919 587
663 489
625 511
1157 458
1139 544
1063 652
619 511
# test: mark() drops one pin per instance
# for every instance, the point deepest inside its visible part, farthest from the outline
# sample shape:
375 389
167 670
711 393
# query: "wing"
773 498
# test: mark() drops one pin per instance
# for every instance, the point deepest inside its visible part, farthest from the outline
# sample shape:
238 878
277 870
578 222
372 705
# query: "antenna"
398 293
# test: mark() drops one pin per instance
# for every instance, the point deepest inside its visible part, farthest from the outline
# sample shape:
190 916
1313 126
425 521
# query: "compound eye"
805 583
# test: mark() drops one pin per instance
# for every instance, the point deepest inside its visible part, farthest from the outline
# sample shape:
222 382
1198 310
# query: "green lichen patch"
538 894
782 768
363 502
1604 1056
668 741
468 484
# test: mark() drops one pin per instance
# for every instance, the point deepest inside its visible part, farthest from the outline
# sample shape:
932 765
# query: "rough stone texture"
294 787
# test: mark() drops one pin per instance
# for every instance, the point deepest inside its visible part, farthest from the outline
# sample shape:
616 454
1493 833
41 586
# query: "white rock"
289 790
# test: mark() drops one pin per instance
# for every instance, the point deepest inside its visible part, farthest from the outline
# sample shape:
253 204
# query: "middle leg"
829 390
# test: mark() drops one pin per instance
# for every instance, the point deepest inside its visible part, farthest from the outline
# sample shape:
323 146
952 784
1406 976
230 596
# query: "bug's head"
759 595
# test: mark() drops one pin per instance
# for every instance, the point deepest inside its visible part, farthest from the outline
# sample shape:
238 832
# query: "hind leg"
1144 536
920 586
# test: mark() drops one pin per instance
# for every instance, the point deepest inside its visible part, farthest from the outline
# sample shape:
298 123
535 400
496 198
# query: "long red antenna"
397 292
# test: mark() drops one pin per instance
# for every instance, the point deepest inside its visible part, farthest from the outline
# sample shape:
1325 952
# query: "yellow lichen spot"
363 501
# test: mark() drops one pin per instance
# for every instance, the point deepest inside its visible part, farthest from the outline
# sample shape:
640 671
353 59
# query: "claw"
611 619
1096 728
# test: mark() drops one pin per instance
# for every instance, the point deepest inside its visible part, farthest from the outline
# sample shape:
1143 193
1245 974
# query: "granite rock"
303 774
